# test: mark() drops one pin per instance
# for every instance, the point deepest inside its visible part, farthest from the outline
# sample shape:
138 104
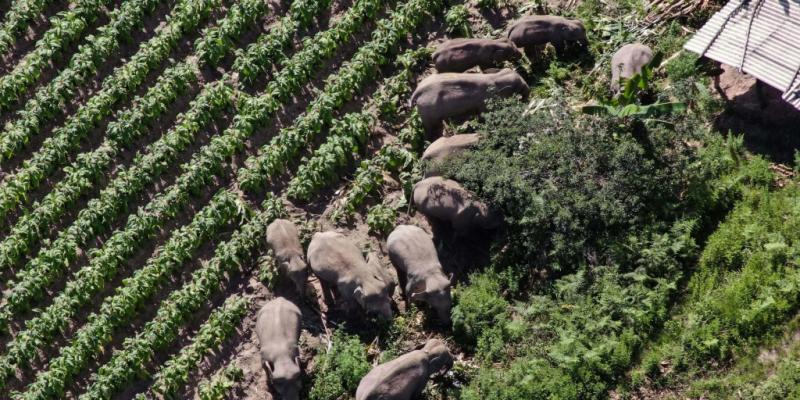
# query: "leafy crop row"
220 325
51 263
66 28
349 133
187 15
117 310
216 42
89 167
254 61
339 88
394 157
132 359
204 165
17 18
218 385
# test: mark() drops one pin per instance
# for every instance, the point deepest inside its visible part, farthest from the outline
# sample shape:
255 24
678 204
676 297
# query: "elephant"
459 55
627 62
405 377
278 330
412 252
447 200
284 239
537 30
441 96
336 261
445 147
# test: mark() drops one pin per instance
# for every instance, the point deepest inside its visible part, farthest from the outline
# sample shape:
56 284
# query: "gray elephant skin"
536 30
284 239
459 55
447 200
445 147
441 96
405 377
278 330
412 251
628 61
338 262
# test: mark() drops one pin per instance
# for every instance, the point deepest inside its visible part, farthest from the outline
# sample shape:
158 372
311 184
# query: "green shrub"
746 287
381 219
339 371
524 380
457 21
480 311
584 333
574 182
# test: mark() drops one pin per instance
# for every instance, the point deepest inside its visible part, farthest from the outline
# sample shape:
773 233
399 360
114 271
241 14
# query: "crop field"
146 146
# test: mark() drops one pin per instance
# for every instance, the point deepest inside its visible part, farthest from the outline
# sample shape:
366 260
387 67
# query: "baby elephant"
284 239
459 55
445 147
447 200
536 30
278 329
337 261
628 61
412 251
441 96
405 377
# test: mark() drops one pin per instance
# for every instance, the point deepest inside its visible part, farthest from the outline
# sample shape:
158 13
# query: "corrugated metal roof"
761 37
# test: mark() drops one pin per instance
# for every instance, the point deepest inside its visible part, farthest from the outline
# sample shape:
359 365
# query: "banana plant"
628 102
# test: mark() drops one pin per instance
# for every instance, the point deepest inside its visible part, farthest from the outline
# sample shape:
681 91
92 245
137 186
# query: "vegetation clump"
339 370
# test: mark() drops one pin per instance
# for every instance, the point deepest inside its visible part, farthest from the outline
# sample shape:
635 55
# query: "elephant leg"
433 127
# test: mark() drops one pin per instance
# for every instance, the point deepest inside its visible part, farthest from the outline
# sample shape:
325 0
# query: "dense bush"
603 216
568 184
583 333
480 313
746 286
338 372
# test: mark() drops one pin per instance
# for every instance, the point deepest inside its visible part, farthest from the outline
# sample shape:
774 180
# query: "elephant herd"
358 281
341 268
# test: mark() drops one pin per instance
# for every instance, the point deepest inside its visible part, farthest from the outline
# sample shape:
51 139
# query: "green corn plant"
339 88
218 385
218 41
46 103
348 134
17 18
220 325
394 157
88 168
131 360
259 56
115 311
66 28
50 263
